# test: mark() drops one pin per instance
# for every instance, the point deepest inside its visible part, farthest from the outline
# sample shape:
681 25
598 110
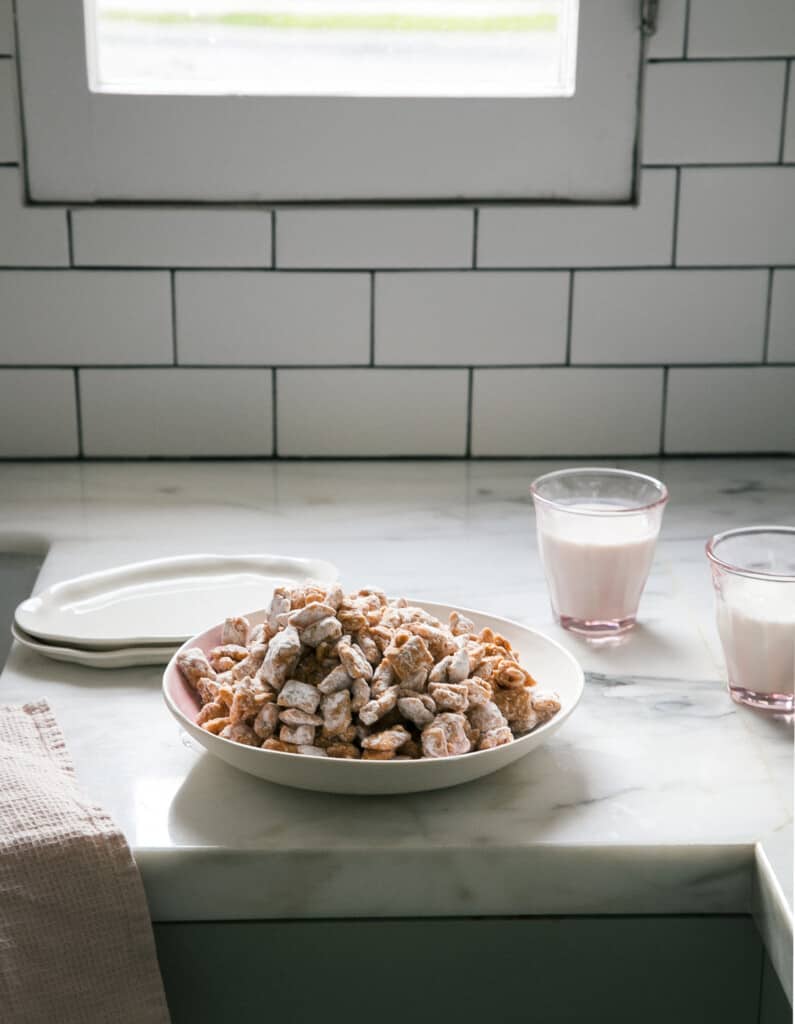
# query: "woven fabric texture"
76 943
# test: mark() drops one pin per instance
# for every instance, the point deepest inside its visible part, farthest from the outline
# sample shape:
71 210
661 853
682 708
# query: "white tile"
669 316
6 27
737 215
29 236
273 318
470 318
669 39
374 238
566 412
9 134
789 126
371 412
38 414
741 28
74 317
176 412
749 409
582 236
172 238
713 112
781 346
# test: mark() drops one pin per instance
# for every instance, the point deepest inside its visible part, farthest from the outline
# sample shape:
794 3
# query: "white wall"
588 331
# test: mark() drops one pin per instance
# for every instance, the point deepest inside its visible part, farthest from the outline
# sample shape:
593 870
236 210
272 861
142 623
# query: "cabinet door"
687 970
774 1008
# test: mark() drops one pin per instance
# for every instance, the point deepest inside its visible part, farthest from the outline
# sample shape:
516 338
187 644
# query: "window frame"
87 147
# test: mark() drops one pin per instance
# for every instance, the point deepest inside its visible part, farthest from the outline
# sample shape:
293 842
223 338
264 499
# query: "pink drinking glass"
753 572
597 530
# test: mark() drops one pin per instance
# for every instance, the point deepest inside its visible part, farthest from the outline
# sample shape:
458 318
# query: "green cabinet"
625 970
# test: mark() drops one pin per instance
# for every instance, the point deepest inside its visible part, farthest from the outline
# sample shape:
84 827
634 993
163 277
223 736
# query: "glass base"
597 630
784 703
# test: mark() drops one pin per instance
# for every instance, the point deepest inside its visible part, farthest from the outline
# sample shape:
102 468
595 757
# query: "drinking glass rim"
604 471
736 570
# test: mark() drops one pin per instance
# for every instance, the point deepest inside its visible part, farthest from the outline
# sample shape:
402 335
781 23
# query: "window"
334 47
330 100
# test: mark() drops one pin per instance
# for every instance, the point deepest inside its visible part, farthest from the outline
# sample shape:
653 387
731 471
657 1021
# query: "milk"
596 566
756 623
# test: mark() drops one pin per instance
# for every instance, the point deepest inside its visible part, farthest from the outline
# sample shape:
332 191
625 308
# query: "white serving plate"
552 666
123 657
159 602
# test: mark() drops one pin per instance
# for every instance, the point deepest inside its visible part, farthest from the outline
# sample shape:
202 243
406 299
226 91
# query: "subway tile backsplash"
669 39
505 330
171 238
788 142
9 133
707 112
577 236
6 27
375 239
175 412
669 316
471 318
371 412
741 28
782 318
730 410
265 318
737 215
85 317
45 402
566 411
29 237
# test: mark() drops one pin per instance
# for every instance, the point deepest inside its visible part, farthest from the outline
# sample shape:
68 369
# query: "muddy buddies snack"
359 676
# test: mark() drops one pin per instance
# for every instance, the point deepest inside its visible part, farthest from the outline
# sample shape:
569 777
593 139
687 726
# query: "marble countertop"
659 796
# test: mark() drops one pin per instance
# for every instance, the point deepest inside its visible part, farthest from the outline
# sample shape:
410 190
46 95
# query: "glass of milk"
753 571
597 529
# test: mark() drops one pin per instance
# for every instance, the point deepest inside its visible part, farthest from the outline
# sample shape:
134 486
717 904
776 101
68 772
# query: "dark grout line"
570 318
276 206
309 367
174 317
675 237
273 239
663 267
479 272
779 58
274 417
763 453
740 165
686 38
475 227
19 106
663 409
70 240
768 308
372 318
79 414
470 389
785 111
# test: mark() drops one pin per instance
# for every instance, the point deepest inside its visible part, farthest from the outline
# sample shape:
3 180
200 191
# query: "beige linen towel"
76 944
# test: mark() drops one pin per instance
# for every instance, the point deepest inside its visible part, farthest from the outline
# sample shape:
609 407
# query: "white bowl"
553 668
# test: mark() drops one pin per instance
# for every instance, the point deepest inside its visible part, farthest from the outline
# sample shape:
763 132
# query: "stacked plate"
139 614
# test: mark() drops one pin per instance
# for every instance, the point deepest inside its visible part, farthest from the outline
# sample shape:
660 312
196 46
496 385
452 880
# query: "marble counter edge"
772 911
445 882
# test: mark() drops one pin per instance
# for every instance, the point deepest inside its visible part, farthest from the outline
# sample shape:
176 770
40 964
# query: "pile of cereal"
360 676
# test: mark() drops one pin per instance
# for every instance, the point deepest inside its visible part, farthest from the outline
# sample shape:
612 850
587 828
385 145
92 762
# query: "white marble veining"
660 795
